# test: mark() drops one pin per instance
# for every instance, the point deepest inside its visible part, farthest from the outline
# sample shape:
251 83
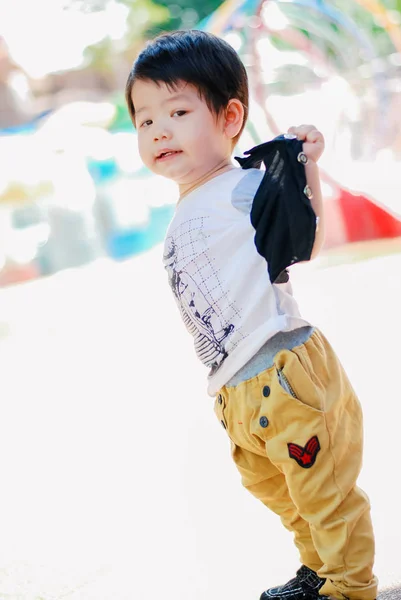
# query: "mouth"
168 154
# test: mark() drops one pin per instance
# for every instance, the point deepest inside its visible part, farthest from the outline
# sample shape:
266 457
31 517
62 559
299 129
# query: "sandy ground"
116 479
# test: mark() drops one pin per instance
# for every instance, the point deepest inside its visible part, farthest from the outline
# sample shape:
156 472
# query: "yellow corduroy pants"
296 437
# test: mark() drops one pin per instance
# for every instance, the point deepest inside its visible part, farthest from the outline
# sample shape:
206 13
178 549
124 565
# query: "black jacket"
282 215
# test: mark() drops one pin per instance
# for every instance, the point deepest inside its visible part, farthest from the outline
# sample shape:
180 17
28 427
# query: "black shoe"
305 586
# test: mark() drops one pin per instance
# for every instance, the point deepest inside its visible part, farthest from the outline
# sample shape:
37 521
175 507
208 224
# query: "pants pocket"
285 384
296 381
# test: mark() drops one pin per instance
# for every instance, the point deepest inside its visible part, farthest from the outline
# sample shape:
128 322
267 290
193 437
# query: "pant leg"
315 439
264 481
239 410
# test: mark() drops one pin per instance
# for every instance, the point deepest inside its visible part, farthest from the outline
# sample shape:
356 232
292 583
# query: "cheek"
208 143
203 136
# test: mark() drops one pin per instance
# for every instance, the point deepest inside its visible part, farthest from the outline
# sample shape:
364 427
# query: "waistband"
264 358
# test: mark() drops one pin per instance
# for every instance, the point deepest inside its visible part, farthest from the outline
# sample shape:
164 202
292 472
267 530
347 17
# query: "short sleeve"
244 192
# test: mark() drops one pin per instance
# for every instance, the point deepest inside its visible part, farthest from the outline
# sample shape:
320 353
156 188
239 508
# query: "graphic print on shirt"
199 314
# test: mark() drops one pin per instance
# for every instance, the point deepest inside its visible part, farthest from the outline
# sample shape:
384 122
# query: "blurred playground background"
72 188
115 483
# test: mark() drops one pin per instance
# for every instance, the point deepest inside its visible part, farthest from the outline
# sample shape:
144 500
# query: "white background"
116 478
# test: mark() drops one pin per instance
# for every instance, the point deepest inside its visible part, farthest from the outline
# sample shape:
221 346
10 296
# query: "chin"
178 177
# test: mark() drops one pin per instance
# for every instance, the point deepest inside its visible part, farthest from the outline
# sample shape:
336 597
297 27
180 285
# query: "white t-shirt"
220 282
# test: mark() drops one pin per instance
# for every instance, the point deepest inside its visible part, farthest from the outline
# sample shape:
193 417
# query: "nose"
161 133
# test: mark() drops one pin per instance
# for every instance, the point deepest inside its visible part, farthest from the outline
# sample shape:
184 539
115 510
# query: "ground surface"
116 479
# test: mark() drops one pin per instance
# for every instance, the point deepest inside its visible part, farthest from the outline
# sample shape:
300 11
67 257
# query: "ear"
234 117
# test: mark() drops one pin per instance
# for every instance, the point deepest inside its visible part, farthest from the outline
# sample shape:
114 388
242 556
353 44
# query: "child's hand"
313 140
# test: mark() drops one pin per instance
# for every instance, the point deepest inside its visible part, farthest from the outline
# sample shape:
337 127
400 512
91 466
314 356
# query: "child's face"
180 121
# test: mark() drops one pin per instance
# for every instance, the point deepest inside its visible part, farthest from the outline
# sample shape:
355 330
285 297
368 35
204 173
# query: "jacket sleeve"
281 213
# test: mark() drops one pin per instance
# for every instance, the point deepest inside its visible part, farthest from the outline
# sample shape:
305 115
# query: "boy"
291 414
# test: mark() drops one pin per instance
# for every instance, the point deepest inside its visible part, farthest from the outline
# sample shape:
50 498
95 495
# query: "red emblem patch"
305 457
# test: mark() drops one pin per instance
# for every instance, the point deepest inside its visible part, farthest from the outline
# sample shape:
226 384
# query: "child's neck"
224 165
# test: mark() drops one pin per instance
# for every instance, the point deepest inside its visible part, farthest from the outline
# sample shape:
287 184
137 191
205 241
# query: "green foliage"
142 15
184 14
99 56
147 18
392 5
369 23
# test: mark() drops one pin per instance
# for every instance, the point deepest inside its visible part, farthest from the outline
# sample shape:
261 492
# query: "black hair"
201 59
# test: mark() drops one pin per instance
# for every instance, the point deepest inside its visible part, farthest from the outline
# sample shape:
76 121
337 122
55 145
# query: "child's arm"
313 147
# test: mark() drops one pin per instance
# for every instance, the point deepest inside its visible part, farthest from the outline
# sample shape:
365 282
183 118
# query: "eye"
180 113
146 123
